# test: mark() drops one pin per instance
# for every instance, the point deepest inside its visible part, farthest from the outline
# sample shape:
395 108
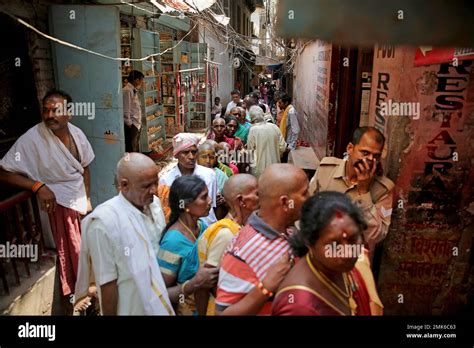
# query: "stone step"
34 295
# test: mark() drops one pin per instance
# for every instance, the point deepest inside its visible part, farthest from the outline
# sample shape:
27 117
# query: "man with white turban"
185 150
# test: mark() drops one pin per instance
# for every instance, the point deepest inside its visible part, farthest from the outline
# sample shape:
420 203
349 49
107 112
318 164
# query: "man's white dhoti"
116 246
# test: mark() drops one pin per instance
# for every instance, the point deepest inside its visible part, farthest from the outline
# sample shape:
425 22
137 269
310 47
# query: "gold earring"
310 252
187 210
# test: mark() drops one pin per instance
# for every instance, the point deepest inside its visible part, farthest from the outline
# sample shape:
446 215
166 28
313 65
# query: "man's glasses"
219 126
235 114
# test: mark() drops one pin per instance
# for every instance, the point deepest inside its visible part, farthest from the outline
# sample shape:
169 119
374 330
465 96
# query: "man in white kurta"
265 142
52 160
235 95
120 245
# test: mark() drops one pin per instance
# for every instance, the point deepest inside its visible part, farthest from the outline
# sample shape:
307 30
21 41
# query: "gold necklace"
187 228
327 280
349 284
347 300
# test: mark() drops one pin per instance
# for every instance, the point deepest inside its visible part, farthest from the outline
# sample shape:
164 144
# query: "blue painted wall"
92 79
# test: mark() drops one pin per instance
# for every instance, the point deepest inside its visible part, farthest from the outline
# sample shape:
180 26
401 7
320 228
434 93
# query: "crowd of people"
230 230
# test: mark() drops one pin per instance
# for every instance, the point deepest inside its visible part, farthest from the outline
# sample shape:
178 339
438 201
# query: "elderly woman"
178 255
242 130
207 158
217 130
232 126
218 150
325 281
218 133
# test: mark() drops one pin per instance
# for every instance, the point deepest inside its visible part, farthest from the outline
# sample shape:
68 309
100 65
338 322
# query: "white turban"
183 141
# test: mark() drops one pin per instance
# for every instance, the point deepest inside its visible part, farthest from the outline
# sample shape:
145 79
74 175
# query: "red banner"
427 55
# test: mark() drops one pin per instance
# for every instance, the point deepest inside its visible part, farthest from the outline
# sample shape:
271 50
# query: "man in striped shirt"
257 260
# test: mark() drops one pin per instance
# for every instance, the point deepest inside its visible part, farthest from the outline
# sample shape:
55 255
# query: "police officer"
360 176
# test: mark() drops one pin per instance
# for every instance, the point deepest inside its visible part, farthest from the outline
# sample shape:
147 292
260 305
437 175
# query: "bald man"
240 193
120 244
257 260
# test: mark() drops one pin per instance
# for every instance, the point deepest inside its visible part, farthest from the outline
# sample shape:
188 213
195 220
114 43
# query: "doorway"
19 108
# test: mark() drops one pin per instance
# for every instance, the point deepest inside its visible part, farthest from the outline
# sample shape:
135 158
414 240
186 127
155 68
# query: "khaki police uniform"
375 204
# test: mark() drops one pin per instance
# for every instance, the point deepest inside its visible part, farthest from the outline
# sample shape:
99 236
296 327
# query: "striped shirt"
247 260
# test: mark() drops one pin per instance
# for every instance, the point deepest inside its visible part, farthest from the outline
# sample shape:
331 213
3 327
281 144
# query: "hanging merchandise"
175 84
126 51
198 106
178 93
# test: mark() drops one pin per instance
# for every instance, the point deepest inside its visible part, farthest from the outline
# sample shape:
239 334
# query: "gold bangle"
183 285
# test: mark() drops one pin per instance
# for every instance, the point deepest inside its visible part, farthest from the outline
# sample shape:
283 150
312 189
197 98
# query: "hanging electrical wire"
68 44
237 41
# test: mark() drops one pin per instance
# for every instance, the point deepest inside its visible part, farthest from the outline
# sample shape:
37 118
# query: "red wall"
425 266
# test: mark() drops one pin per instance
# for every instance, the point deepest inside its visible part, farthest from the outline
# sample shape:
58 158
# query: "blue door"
92 79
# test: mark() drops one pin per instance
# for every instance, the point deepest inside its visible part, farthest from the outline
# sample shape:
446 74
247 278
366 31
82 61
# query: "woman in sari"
325 281
178 255
232 125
